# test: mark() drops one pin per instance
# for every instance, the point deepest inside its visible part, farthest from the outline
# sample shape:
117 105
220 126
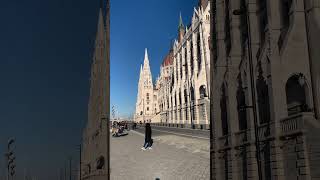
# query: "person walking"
147 138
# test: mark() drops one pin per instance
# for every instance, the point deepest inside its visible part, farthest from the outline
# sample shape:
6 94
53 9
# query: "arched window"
285 13
191 57
192 97
241 104
227 38
263 97
192 93
100 162
224 113
175 99
181 72
296 95
244 26
186 102
263 19
186 62
185 96
199 51
203 91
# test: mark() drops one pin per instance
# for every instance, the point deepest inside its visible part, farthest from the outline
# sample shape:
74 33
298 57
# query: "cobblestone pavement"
172 158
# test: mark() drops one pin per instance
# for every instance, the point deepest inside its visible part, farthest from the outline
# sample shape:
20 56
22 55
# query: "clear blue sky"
136 25
45 57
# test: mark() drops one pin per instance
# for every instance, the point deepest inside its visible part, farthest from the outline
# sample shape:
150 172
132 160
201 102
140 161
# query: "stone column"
195 56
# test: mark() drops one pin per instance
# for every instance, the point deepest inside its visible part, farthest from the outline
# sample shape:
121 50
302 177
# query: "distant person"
147 139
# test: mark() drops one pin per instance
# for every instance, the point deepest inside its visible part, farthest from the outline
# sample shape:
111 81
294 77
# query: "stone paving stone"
172 158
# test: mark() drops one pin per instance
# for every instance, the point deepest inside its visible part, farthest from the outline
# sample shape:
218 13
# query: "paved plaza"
173 157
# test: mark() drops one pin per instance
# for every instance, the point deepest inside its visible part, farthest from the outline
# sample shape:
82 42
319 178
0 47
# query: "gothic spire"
181 26
146 60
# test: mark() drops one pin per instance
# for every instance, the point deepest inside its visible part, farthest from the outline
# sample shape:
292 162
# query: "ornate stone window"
263 97
186 62
243 26
192 93
263 19
199 51
227 38
180 103
192 97
285 19
191 57
181 72
186 102
175 99
185 96
296 91
203 92
241 105
100 162
285 13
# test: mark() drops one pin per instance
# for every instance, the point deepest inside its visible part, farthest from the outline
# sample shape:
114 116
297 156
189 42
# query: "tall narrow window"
203 91
244 26
296 95
180 103
192 94
191 57
224 113
263 97
186 102
192 107
227 27
285 19
241 103
267 160
186 62
185 96
263 20
175 99
177 67
285 13
199 51
181 72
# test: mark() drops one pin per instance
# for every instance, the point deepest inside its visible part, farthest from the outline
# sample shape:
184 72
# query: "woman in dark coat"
147 138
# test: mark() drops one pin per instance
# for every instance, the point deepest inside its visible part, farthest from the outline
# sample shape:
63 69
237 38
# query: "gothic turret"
181 28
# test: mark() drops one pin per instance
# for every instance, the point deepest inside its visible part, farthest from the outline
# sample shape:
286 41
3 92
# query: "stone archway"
297 94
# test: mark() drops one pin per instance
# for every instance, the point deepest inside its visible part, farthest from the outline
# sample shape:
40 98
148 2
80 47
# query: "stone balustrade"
294 124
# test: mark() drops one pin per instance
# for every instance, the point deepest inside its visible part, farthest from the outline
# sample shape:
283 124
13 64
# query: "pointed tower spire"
146 59
181 26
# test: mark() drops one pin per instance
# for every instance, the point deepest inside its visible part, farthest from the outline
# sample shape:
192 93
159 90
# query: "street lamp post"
244 10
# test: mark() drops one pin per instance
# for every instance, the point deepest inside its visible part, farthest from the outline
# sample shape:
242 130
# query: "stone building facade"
284 82
95 140
181 93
